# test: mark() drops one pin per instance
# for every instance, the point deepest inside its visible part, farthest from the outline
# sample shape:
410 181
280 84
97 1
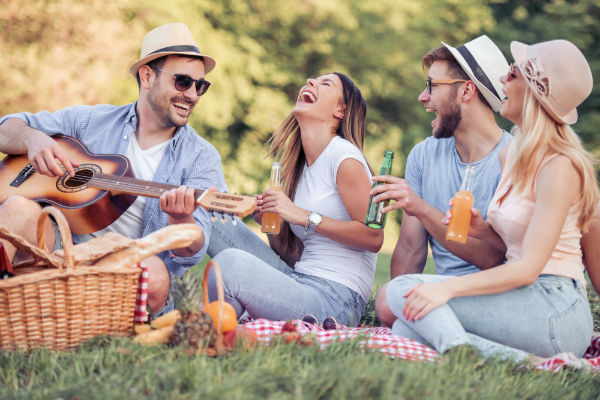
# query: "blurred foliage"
57 53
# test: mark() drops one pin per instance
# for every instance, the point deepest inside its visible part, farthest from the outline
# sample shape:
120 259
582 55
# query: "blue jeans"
548 317
256 280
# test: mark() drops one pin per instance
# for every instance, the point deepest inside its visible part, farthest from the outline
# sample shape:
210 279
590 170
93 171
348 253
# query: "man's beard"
162 108
450 119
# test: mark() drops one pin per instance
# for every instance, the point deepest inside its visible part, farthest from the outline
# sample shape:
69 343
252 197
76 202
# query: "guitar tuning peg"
214 218
232 218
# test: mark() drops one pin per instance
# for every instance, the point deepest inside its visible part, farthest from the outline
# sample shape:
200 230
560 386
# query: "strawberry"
288 327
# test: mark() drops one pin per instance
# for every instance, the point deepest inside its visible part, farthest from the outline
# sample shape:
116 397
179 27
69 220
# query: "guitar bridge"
23 175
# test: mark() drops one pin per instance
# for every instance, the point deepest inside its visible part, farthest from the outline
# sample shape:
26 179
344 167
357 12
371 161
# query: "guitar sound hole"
81 177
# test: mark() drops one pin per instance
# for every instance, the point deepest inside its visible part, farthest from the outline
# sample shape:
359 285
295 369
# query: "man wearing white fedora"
463 89
153 133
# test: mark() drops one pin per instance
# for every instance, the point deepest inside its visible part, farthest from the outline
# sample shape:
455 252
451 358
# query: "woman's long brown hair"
287 138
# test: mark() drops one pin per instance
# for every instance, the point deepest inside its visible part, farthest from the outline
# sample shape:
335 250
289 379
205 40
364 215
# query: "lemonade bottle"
271 222
458 228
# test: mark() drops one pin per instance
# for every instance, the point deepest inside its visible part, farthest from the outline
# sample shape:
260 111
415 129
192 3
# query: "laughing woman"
325 265
536 302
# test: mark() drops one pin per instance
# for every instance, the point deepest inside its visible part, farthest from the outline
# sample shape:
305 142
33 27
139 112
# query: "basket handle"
220 293
65 233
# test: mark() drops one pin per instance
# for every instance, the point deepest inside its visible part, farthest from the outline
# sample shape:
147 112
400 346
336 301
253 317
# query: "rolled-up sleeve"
70 121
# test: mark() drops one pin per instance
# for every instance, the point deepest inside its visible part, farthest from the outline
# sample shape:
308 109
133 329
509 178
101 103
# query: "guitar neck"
137 187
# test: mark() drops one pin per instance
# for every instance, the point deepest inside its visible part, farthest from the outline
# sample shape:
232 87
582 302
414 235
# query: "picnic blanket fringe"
381 339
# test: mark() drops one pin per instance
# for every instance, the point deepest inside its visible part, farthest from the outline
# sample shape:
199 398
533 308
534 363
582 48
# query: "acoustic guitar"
102 189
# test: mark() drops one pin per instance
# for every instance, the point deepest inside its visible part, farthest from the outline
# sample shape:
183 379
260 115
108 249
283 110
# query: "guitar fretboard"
132 186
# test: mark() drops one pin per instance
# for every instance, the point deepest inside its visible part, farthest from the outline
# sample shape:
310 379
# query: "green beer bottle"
375 218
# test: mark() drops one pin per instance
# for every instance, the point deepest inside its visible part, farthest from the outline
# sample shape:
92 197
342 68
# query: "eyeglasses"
431 82
184 82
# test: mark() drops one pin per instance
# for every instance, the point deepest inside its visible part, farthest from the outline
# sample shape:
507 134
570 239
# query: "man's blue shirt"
434 171
189 160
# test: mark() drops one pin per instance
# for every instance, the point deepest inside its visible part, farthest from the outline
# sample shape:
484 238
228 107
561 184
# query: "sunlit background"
55 54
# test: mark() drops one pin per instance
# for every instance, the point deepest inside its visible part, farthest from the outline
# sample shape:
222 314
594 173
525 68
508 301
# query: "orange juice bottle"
272 222
458 228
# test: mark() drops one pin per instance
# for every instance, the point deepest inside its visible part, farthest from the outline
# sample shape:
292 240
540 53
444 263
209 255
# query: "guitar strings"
139 188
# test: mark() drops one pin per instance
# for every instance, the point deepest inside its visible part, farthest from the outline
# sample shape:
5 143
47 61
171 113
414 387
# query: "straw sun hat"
558 75
170 39
485 64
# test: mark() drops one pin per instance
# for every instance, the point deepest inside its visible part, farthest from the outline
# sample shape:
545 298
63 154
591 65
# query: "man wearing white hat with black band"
153 133
463 88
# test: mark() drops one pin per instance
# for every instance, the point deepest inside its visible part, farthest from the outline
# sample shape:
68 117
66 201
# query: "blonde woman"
323 265
536 302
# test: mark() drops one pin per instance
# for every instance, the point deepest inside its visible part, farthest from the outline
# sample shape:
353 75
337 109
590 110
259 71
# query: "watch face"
315 218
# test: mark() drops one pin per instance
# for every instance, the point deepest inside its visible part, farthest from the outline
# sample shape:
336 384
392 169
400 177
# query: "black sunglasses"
184 82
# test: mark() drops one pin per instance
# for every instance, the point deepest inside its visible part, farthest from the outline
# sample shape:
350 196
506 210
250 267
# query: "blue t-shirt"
434 171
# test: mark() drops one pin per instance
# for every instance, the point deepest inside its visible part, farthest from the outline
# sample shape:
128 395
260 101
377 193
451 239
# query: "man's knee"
20 206
159 282
385 315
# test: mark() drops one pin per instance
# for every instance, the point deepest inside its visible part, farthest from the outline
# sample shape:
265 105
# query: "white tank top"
317 191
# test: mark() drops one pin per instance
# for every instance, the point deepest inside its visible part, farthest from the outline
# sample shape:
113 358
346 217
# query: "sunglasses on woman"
431 82
512 71
184 82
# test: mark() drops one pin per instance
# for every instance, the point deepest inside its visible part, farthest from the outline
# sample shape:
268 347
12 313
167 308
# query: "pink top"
511 220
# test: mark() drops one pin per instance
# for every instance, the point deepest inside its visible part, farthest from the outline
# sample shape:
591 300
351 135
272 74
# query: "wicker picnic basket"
69 296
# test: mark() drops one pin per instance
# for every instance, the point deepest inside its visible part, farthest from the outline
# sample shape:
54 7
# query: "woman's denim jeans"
256 280
549 317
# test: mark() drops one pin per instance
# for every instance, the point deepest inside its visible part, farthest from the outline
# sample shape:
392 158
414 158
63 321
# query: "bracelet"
306 223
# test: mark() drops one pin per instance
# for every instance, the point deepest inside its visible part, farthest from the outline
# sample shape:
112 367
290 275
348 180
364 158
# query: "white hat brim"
492 99
209 62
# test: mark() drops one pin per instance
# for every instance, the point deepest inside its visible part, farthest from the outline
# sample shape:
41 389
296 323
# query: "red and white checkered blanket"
381 339
376 339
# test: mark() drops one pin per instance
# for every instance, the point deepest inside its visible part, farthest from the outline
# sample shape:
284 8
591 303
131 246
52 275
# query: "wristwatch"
313 220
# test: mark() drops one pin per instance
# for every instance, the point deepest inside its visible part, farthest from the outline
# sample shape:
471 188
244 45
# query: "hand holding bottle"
277 203
477 227
460 220
396 189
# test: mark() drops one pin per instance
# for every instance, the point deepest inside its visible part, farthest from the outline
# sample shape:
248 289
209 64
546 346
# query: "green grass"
117 368
106 368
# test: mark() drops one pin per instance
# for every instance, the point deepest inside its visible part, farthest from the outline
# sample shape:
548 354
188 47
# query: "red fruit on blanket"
309 339
241 333
291 337
288 327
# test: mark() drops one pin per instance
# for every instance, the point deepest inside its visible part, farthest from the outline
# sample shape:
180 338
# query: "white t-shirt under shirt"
317 191
143 164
